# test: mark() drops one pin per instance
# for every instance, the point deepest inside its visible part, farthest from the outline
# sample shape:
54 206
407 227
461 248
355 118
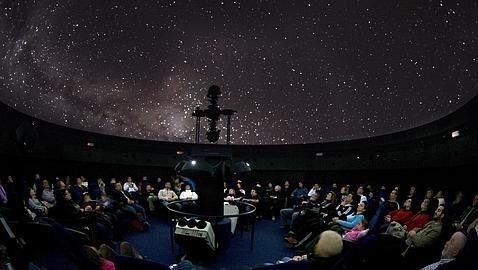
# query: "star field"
296 71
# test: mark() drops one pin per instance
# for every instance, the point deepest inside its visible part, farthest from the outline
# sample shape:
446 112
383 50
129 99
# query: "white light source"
193 162
455 134
248 165
319 154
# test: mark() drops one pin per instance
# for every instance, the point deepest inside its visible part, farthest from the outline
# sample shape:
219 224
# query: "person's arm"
425 236
175 196
312 190
194 195
135 187
125 186
162 195
351 222
472 225
183 196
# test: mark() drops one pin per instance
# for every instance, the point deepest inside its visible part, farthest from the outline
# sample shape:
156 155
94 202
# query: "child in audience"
357 232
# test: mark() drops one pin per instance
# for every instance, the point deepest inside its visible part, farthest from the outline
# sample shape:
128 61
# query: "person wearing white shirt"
130 186
188 194
450 251
315 189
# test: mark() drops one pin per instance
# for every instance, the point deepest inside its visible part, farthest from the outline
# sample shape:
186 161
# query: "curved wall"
426 147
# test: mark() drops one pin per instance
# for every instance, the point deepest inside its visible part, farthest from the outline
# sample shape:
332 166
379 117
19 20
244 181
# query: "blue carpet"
269 246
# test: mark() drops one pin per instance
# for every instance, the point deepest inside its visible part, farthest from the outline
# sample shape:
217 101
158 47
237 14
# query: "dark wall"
426 153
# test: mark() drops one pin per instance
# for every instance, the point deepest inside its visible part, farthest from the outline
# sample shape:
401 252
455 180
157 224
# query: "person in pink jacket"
357 232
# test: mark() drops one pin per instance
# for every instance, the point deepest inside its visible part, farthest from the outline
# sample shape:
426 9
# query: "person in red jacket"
415 222
401 215
419 219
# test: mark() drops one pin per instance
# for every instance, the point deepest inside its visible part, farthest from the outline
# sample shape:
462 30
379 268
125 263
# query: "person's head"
360 190
316 186
167 185
314 197
118 187
129 179
330 196
301 184
363 225
412 191
65 195
425 204
113 181
9 179
458 197
158 180
60 185
361 207
79 182
145 178
393 195
429 194
270 185
344 190
407 204
330 244
439 194
187 187
439 213
37 176
45 184
454 246
286 184
334 185
232 192
149 188
86 197
100 181
349 199
253 192
31 193
277 188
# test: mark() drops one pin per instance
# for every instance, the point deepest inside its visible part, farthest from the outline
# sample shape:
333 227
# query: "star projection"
296 71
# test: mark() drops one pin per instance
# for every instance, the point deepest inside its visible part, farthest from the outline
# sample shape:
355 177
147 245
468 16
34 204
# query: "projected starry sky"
296 71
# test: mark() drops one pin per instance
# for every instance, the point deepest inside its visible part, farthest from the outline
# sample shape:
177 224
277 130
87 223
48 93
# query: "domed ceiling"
295 71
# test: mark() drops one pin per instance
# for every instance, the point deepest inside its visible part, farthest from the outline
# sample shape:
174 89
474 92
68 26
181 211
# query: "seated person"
47 193
95 260
40 208
352 219
149 196
401 215
467 216
290 215
299 194
129 205
188 194
417 221
428 235
167 194
450 251
357 232
323 255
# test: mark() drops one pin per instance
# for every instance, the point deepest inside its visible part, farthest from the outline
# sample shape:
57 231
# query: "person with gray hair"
450 251
323 256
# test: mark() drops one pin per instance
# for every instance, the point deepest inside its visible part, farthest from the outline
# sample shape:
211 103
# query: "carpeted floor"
269 246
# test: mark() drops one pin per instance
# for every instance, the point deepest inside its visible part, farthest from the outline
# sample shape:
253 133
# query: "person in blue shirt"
299 194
